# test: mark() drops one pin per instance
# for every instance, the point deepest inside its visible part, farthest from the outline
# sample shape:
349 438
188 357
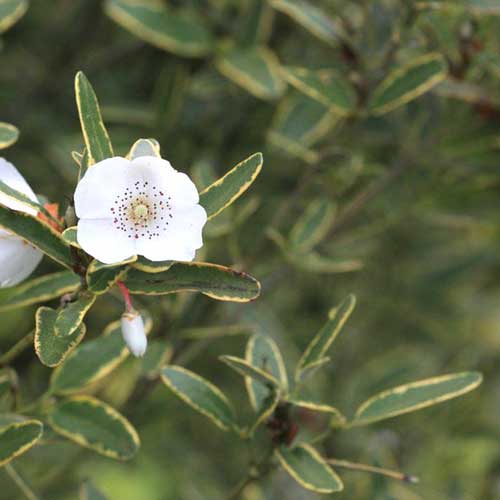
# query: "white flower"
138 207
18 258
133 333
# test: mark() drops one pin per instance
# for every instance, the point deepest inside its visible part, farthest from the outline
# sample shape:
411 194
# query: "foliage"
377 124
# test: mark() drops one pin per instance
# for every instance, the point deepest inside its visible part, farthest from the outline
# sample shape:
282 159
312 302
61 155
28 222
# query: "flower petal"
161 176
11 176
184 192
18 259
101 239
180 240
99 187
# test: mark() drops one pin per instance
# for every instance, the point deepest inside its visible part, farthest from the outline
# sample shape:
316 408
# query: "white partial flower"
138 207
133 333
18 258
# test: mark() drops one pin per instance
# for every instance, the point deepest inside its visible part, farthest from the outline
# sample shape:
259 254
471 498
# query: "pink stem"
126 295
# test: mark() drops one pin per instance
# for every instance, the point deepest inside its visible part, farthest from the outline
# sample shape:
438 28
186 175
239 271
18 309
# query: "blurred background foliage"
403 181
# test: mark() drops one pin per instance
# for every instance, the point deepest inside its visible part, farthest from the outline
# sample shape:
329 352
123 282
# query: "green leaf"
256 69
157 356
244 368
144 147
71 316
316 263
322 341
38 290
169 30
257 19
415 396
8 133
225 191
313 225
148 266
217 282
17 435
200 394
408 82
10 12
309 469
309 370
89 492
101 277
50 348
324 86
15 195
38 233
69 235
336 415
299 123
95 425
263 353
94 132
92 360
213 332
311 18
269 405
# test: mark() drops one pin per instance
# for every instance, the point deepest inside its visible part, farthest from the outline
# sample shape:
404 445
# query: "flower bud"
133 333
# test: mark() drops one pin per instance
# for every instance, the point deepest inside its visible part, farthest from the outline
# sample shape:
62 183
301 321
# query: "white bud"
133 333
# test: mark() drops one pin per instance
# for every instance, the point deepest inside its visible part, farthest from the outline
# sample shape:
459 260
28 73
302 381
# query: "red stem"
126 295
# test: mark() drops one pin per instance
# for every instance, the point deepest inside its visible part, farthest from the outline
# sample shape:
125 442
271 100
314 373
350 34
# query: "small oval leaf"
69 318
335 415
299 123
144 147
17 435
69 236
8 133
324 86
415 396
408 82
149 266
322 341
50 348
101 277
256 69
313 225
244 368
225 191
169 30
10 12
309 370
96 136
95 425
38 290
215 281
266 410
91 361
311 18
38 233
263 353
200 394
309 469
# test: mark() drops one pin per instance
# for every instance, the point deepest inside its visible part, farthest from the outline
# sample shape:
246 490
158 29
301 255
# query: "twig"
20 482
400 476
17 349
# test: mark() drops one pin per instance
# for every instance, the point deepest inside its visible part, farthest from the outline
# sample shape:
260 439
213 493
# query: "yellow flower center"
141 211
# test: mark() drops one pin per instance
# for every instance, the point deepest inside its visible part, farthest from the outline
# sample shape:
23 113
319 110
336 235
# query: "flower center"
141 211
